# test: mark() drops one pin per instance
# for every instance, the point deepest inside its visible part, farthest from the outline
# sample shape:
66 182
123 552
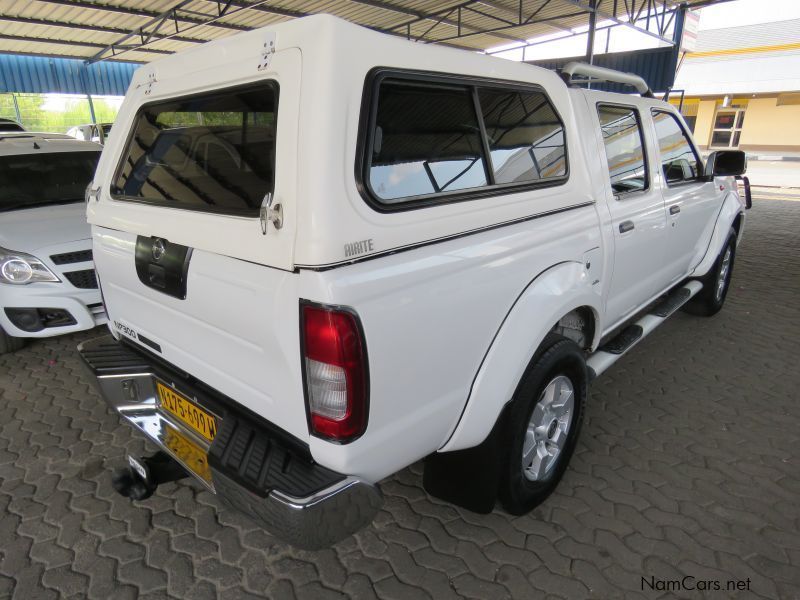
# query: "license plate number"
187 412
188 452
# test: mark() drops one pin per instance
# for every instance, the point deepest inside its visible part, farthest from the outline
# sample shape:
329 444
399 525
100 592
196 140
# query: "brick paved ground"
688 465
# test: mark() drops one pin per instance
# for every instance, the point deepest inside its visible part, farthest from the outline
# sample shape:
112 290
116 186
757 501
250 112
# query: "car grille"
72 257
82 279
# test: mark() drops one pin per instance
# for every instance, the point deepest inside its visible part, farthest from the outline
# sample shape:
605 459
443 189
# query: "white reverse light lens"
19 268
327 389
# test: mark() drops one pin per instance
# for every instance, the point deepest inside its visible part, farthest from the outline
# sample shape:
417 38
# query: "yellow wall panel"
766 124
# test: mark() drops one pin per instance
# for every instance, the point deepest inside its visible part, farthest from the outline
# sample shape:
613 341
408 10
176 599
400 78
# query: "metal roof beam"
630 24
136 12
507 27
77 43
86 27
440 16
177 14
270 9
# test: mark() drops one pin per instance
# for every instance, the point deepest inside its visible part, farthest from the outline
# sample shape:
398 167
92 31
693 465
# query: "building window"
727 127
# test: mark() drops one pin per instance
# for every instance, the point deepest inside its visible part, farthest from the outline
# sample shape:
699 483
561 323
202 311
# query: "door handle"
626 226
674 209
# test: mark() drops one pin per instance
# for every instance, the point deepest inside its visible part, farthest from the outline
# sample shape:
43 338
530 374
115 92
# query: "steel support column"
16 108
591 32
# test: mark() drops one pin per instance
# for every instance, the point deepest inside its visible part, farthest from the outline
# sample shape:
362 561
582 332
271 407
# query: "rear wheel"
716 283
8 343
543 425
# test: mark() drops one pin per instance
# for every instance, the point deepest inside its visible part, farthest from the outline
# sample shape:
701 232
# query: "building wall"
768 126
705 119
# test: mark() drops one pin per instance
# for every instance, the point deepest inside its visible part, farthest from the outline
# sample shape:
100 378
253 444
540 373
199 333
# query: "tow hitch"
143 475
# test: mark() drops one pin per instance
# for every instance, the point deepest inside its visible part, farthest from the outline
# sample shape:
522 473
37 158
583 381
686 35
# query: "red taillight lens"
336 373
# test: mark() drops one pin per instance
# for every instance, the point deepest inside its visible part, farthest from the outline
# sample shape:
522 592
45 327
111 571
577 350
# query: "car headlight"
18 268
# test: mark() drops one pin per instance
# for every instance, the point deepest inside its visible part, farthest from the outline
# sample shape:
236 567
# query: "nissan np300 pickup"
327 253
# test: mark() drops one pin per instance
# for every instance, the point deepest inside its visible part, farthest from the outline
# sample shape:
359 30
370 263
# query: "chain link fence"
58 112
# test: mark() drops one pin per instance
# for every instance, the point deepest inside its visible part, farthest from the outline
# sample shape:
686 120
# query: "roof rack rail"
603 74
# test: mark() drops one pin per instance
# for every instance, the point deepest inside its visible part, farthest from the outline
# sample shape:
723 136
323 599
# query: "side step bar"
617 347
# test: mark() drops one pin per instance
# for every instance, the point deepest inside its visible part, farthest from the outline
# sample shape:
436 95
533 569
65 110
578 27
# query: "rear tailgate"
188 269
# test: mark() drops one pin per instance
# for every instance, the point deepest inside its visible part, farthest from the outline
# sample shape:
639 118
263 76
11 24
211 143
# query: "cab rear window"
211 152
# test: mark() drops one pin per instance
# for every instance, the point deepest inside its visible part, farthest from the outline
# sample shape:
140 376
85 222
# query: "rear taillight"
336 373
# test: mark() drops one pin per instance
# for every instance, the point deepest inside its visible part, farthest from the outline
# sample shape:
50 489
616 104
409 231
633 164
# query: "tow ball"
143 475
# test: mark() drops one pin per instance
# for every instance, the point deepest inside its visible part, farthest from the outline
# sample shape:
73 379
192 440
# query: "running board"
618 346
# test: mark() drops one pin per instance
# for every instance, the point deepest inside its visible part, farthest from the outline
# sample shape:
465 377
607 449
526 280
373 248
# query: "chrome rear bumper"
334 506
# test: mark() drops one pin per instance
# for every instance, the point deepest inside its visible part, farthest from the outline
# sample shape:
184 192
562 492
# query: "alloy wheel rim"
549 425
722 277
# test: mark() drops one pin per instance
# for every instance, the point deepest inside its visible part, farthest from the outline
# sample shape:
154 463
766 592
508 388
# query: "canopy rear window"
211 152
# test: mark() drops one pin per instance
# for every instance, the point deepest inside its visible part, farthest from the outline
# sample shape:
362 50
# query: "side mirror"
726 163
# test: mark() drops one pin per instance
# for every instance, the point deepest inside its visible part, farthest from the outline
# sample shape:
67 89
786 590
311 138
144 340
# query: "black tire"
8 343
708 302
557 356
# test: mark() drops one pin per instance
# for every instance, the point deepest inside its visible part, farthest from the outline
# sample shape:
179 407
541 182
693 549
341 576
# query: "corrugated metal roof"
81 28
40 74
748 36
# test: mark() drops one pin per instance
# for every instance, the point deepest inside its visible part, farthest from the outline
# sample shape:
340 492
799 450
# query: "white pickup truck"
328 253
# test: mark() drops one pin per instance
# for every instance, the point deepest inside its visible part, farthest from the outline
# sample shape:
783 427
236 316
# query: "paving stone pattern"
689 464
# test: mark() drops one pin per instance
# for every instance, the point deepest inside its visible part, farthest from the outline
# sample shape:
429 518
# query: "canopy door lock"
271 212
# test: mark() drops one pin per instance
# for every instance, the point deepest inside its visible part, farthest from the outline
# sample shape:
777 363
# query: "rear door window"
212 152
624 144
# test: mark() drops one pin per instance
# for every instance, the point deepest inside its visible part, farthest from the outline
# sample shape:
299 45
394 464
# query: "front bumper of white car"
45 309
40 310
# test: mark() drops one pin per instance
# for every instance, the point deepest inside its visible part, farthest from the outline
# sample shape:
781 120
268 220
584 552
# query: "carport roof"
144 30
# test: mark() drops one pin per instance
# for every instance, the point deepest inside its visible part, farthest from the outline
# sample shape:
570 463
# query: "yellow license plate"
187 412
188 452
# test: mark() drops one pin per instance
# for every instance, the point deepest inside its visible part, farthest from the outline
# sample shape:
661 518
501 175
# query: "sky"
726 14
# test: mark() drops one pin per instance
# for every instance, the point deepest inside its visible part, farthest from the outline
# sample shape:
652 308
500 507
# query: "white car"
92 132
329 253
47 281
7 125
